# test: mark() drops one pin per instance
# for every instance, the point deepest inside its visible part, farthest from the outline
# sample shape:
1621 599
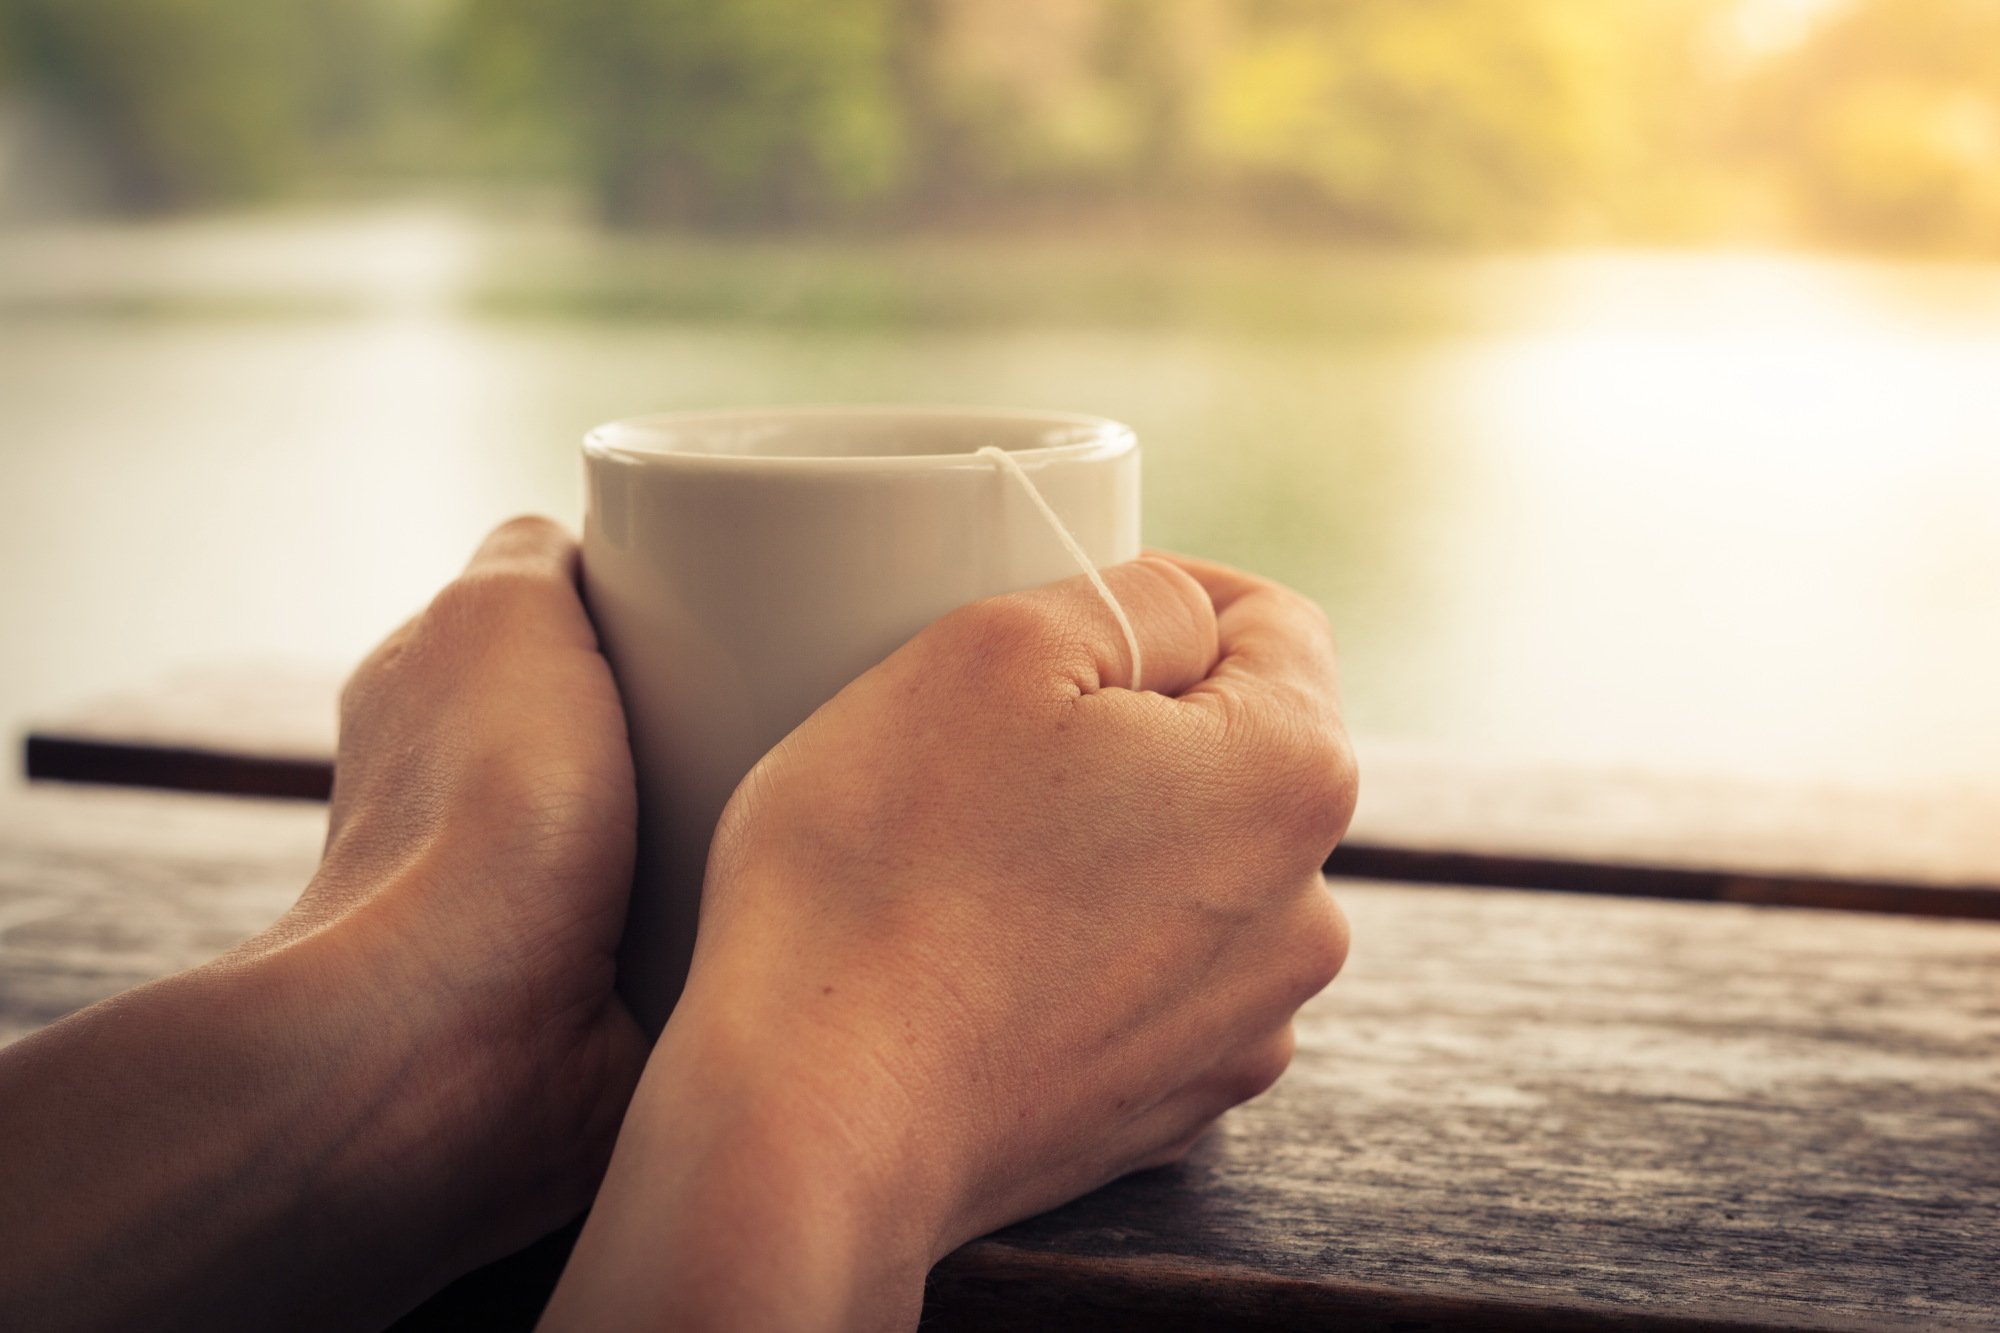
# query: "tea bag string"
1010 465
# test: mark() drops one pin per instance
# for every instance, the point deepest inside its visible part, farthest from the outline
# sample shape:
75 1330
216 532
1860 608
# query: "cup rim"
1105 439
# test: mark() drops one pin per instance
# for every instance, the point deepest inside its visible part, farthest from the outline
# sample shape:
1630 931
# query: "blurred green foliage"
1452 118
190 102
1443 121
693 111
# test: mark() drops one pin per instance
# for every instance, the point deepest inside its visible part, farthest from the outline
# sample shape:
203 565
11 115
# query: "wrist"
374 1115
754 1186
400 1106
242 1163
436 1128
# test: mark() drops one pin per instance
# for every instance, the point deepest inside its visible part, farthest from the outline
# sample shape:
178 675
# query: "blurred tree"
1886 123
698 112
1076 99
1160 55
1448 119
1005 106
1430 120
1012 93
185 102
1666 171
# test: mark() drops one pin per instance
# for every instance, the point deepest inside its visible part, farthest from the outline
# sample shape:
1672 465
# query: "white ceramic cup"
741 567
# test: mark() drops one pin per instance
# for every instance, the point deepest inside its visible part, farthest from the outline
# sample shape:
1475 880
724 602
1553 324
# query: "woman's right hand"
988 930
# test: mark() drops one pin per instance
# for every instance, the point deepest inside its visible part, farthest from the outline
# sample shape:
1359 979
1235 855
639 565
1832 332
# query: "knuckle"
1002 629
363 683
487 597
1176 583
1315 782
354 690
1308 610
1181 596
1321 944
536 527
1333 781
1300 614
1262 1066
1176 1151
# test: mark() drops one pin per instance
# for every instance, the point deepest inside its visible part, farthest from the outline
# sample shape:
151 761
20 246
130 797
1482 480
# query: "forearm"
738 1199
212 1149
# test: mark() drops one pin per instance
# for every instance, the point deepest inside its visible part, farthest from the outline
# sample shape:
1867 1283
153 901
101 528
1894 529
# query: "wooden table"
1516 1109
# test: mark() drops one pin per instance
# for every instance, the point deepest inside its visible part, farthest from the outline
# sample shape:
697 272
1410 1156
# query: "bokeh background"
1623 375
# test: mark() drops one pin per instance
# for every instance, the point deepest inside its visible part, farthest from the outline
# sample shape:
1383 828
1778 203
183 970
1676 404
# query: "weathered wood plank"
1002 1288
1515 1110
1425 817
1724 1113
102 890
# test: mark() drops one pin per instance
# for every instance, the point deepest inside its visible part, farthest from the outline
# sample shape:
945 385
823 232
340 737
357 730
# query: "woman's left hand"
420 1067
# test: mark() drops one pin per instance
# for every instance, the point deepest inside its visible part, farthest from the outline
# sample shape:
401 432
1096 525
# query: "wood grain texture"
1722 1113
1515 1110
102 890
1425 816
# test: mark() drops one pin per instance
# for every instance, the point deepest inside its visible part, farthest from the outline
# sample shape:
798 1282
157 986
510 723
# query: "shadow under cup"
742 567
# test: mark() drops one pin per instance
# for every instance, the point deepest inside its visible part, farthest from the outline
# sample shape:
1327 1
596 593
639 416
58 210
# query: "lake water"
1706 512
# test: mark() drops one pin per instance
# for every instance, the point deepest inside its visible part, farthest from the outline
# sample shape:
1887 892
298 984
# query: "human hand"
479 854
986 931
419 1067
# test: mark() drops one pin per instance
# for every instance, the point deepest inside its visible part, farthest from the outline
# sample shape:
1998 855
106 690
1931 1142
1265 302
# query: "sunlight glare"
1767 26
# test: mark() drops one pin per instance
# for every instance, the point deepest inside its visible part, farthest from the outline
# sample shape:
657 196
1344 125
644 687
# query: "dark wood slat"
83 759
1423 819
109 763
1515 1110
1356 860
53 757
